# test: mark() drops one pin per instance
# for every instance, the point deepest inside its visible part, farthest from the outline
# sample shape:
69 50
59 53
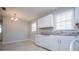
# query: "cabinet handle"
60 41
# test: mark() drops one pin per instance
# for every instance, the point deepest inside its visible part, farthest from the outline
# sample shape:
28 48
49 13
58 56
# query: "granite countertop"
61 33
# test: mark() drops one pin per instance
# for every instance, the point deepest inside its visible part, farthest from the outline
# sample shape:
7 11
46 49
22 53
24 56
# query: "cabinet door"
41 23
46 41
43 41
46 21
53 43
65 42
38 40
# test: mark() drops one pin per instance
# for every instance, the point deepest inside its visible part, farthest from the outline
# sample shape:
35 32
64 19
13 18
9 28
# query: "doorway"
1 22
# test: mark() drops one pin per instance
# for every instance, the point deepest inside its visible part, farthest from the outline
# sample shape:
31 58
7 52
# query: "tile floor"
22 46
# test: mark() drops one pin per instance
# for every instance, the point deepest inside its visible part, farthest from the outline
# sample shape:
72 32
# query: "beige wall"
15 31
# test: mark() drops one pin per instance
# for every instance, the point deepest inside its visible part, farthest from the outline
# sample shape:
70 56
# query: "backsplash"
51 31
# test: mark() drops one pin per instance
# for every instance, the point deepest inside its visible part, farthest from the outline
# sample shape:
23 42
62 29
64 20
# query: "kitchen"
57 33
44 28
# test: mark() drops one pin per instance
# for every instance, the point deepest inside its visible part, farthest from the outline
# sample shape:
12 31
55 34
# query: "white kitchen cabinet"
42 40
60 43
46 41
54 43
46 21
39 40
64 42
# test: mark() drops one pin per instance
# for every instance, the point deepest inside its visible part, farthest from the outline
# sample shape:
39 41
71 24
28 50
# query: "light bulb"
16 19
12 18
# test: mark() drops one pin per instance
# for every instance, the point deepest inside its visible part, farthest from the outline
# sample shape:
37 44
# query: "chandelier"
14 18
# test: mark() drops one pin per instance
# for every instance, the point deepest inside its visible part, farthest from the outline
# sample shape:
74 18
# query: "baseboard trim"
15 41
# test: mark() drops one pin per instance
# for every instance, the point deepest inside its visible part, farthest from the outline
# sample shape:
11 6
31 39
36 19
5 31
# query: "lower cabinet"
53 42
42 40
39 40
64 42
46 41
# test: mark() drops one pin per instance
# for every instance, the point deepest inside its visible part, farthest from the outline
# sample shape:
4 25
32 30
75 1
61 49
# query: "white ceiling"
29 13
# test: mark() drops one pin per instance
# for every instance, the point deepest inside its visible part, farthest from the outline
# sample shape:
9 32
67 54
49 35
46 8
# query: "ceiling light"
14 17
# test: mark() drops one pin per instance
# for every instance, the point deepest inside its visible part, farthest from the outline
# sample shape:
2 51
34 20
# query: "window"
0 28
34 26
64 21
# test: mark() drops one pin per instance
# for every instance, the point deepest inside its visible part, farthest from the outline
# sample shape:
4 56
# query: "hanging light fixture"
14 18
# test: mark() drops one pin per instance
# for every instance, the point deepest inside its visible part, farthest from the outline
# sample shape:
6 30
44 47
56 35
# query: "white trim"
71 9
14 41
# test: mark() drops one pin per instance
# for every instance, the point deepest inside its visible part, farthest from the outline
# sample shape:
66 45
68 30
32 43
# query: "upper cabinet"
50 20
46 21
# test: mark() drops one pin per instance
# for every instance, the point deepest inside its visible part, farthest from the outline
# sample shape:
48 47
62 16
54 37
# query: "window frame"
35 26
0 29
73 14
